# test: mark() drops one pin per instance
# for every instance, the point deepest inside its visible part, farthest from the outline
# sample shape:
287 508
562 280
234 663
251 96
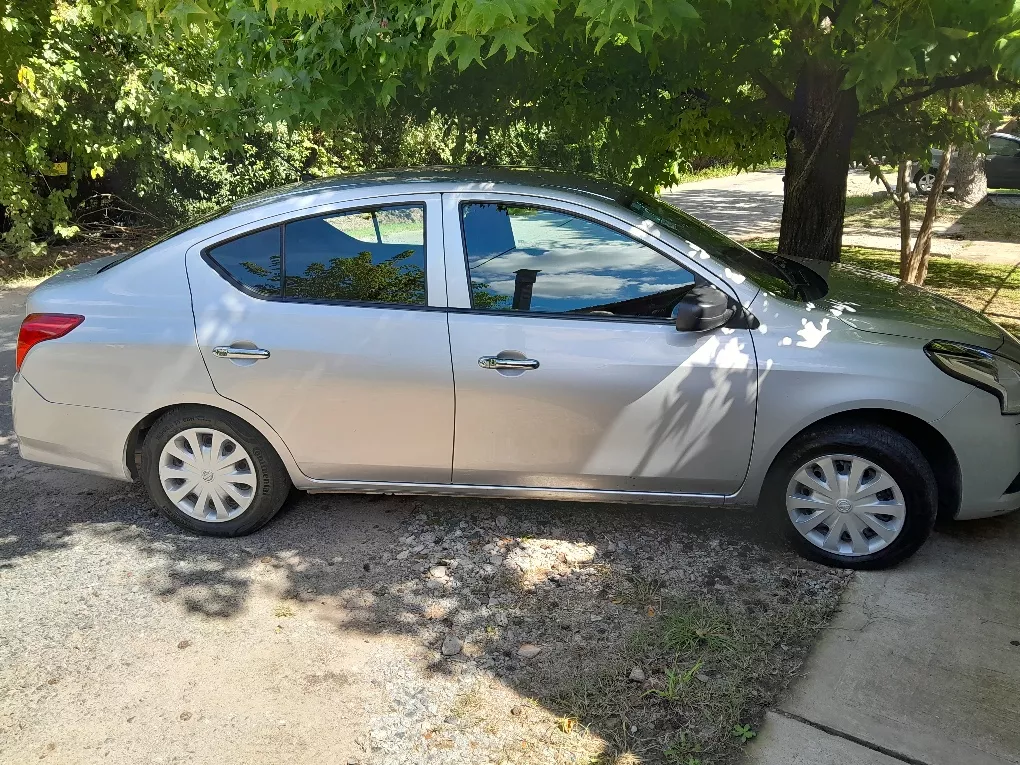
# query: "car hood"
874 302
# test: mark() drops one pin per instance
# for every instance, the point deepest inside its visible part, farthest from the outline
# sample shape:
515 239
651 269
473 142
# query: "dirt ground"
123 640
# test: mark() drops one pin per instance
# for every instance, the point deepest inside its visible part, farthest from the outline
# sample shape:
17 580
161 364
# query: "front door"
332 328
569 370
1002 163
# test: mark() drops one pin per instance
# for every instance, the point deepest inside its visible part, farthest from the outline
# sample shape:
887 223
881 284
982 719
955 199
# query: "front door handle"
496 362
230 352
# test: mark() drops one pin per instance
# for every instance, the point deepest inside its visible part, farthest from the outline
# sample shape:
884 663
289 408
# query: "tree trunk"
903 207
822 122
901 198
971 184
917 265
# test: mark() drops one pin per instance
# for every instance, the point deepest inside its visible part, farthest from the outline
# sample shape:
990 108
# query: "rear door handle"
495 362
229 352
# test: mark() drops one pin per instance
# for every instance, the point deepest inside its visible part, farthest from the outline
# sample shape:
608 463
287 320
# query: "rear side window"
252 260
373 255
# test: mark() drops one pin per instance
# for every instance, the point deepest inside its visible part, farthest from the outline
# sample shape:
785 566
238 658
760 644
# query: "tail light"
38 327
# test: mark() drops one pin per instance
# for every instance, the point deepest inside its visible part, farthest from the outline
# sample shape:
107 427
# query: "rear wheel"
854 496
212 473
925 182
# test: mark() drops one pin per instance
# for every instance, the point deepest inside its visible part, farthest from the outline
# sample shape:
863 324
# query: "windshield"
763 272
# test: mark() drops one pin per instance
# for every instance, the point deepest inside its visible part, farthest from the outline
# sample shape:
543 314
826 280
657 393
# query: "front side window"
545 261
375 255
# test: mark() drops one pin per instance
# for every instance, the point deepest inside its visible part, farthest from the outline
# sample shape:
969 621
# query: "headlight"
979 367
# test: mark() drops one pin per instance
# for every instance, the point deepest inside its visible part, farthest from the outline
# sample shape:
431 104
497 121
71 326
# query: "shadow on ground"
986 221
715 615
738 213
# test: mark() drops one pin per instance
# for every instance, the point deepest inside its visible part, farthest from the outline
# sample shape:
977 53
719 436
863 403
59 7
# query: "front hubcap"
846 505
207 475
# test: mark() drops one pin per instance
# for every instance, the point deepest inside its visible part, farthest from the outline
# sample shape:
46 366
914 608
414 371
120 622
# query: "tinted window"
373 255
1003 146
532 259
253 260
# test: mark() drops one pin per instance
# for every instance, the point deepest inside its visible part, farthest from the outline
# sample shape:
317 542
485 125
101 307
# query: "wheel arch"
135 438
933 445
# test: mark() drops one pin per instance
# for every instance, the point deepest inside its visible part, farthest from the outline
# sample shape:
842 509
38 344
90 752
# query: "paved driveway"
747 204
922 664
743 205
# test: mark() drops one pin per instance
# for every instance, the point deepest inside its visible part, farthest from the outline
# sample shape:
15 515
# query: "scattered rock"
185 716
439 572
517 711
184 644
528 651
451 645
403 554
637 675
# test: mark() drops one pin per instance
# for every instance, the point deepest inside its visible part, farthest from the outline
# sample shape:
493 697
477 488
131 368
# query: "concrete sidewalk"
921 665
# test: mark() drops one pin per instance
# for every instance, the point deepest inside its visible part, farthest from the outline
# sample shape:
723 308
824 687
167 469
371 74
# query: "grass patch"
724 171
709 664
985 221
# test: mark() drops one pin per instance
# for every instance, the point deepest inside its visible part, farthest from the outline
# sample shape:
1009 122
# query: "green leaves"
879 65
511 38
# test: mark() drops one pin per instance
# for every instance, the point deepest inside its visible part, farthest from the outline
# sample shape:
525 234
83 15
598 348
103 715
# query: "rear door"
569 370
332 327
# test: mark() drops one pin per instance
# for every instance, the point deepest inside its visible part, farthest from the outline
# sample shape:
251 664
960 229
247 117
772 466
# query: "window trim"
205 254
462 203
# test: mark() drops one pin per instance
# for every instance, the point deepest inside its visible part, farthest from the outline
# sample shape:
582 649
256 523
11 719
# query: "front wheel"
212 473
855 496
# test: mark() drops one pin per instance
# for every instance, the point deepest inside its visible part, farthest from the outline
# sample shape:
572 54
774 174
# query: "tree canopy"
650 83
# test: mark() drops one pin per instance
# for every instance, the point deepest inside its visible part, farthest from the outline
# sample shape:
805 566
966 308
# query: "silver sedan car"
517 334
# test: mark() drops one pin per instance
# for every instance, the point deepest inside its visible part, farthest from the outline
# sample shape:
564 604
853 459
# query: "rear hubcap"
207 475
845 504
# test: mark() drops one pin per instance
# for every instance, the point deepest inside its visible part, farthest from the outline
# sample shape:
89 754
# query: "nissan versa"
522 334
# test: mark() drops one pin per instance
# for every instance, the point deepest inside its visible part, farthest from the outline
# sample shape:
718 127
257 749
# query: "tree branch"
934 86
773 95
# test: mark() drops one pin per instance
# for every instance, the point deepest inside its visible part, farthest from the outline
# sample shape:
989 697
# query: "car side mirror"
702 309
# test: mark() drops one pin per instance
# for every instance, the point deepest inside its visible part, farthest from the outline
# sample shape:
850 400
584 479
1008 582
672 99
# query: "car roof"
451 177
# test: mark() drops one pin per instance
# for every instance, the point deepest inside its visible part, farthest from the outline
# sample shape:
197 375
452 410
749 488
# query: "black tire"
273 482
884 447
918 186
